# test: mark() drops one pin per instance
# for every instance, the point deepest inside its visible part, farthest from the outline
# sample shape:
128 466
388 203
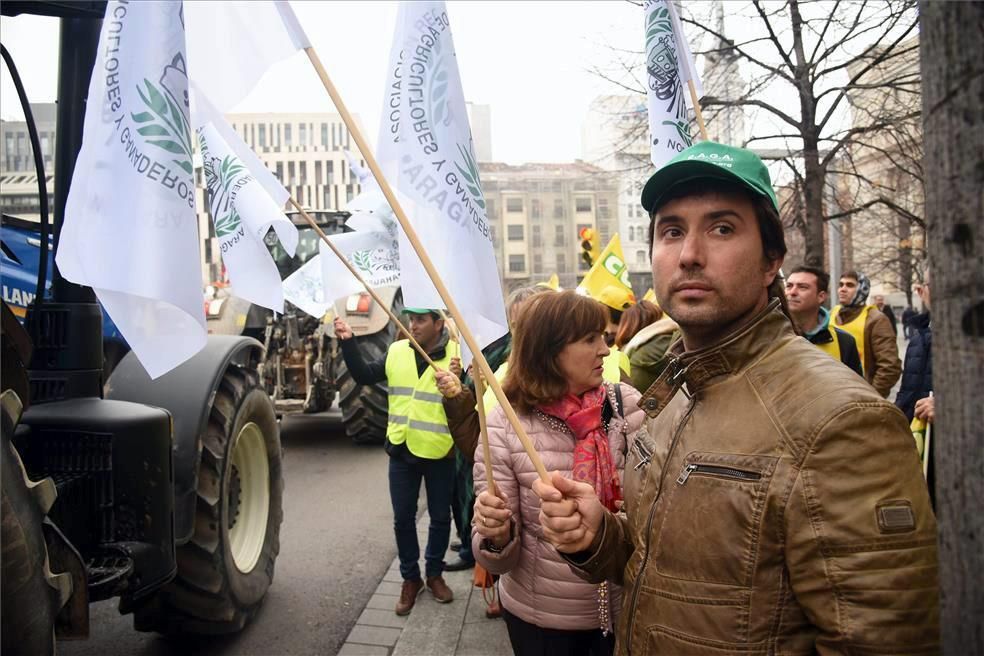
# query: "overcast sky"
529 60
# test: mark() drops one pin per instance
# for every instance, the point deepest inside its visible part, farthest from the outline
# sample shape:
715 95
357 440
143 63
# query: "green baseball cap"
709 159
410 310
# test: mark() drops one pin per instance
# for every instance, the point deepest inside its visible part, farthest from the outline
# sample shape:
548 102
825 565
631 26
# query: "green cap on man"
709 159
412 310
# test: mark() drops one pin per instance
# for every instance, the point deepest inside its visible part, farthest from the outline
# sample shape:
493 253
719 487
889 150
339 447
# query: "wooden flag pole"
700 115
372 292
411 234
484 431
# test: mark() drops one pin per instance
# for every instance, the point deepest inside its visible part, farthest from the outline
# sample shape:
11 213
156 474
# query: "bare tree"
811 68
953 105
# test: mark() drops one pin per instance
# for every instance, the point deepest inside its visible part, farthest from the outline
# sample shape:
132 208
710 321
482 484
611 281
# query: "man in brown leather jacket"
774 501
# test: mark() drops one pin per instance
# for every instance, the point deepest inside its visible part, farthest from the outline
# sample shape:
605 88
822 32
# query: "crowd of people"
726 472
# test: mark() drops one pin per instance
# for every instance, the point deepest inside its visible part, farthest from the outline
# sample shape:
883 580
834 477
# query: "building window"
559 234
317 172
556 186
517 263
334 142
537 262
558 208
561 263
280 172
490 208
327 197
349 193
602 208
324 135
535 211
45 145
262 136
514 204
21 143
495 238
299 195
641 259
291 178
287 136
8 140
514 232
582 204
331 172
302 134
303 166
537 237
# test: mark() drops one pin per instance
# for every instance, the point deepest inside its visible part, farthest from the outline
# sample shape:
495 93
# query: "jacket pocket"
712 518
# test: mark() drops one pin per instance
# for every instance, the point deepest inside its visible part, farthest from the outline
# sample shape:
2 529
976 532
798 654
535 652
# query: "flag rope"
425 260
372 292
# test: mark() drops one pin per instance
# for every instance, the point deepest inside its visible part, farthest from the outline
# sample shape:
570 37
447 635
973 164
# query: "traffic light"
589 245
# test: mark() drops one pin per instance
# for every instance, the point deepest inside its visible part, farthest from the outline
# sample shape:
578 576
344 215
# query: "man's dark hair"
851 274
770 226
823 278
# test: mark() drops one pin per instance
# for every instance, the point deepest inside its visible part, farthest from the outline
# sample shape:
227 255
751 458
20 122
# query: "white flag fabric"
375 255
425 149
130 230
306 289
669 66
232 43
242 214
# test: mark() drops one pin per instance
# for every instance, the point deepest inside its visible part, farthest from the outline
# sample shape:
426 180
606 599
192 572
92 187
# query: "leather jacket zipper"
716 470
649 525
645 455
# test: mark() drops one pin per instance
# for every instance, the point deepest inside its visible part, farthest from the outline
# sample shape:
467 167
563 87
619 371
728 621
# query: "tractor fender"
187 393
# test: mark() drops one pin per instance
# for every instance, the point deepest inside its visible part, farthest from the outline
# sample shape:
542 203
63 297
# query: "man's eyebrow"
710 216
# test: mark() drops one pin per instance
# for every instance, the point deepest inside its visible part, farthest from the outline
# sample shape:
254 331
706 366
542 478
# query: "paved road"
336 544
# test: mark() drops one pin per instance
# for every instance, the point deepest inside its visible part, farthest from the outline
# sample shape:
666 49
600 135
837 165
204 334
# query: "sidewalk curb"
457 628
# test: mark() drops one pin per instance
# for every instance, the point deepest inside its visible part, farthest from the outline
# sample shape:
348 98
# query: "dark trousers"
404 482
462 504
531 640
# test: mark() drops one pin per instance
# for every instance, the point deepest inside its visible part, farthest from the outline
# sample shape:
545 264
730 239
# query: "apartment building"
536 212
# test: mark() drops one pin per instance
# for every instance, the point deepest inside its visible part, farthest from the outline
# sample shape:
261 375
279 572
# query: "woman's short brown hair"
635 319
547 324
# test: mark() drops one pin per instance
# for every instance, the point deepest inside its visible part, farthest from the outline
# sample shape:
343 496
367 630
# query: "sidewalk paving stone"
352 649
378 617
374 635
383 602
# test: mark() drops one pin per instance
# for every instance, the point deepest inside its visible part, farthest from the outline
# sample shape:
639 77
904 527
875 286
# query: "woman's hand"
447 384
493 519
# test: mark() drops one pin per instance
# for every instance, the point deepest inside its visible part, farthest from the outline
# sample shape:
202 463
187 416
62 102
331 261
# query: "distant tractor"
302 367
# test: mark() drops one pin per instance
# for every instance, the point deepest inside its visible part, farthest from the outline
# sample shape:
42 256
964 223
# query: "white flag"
231 44
242 213
669 66
130 230
305 288
425 148
375 255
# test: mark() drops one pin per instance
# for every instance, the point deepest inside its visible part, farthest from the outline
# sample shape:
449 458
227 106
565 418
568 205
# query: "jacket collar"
697 368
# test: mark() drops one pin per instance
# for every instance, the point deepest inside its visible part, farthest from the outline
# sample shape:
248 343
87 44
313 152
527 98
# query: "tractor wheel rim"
247 529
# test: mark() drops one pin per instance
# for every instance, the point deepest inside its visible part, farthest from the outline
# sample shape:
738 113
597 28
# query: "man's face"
709 269
425 329
846 289
802 293
879 301
611 329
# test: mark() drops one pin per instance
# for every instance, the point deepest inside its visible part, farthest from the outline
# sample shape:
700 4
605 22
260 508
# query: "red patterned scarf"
593 461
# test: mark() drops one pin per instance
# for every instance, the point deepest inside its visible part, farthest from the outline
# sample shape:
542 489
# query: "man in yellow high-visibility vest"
806 291
871 330
418 442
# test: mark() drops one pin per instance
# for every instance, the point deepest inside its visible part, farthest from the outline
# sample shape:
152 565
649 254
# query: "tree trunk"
953 122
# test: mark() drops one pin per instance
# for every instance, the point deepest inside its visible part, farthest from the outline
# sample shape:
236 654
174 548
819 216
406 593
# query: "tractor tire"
31 595
226 568
365 408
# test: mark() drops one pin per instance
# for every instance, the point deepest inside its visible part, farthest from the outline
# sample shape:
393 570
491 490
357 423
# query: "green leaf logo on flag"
470 176
164 124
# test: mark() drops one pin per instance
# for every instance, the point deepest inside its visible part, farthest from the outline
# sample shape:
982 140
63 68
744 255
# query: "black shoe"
458 565
455 546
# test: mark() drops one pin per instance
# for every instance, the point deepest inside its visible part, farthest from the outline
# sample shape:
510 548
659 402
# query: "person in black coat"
886 309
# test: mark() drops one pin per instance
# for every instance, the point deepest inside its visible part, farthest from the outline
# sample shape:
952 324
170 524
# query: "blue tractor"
20 240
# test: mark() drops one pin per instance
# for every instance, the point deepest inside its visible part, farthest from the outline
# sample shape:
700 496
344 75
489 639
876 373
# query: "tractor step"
108 573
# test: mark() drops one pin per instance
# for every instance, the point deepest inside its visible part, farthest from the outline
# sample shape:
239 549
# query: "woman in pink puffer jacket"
580 427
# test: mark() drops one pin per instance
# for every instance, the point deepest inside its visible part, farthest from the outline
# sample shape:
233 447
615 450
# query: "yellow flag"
553 283
608 279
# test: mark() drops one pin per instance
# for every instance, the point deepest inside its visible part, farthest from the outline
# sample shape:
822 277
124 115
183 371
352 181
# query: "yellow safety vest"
831 348
613 363
416 411
855 328
489 399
